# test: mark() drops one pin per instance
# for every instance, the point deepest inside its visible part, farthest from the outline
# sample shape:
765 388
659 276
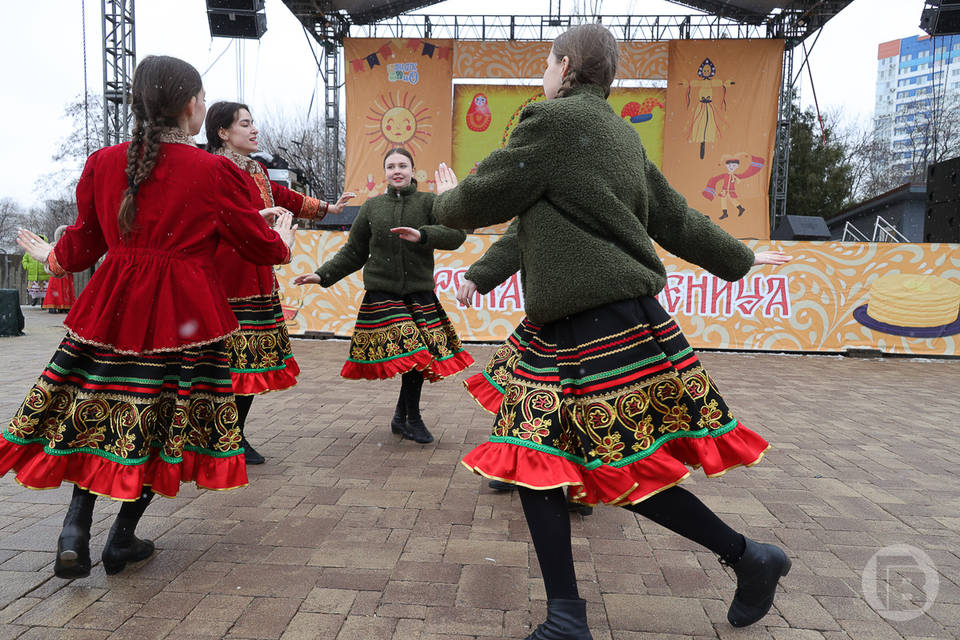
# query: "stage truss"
330 24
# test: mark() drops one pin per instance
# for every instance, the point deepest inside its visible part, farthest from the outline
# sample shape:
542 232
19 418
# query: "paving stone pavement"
347 533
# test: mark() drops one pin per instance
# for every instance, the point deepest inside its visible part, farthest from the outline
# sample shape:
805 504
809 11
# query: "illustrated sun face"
394 121
398 125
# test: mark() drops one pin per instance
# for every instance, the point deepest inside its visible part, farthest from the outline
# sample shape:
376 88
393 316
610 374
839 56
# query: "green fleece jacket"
389 263
498 263
590 205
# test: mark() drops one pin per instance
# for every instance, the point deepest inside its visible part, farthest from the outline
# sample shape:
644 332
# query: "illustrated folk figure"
724 185
706 106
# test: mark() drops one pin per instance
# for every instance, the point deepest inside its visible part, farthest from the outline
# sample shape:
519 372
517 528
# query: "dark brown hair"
221 115
402 152
593 54
162 89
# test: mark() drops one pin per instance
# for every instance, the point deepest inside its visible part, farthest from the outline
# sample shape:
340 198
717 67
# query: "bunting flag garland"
386 51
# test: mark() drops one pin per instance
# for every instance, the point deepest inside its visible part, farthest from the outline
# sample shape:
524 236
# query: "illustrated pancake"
914 305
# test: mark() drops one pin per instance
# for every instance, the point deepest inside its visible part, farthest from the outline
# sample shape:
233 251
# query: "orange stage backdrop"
819 302
513 59
398 95
720 130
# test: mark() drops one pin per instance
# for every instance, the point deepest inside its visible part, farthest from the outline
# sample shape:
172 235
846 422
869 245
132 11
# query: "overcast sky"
43 70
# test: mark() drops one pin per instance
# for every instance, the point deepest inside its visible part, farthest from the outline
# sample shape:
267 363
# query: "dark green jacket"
590 205
389 263
498 263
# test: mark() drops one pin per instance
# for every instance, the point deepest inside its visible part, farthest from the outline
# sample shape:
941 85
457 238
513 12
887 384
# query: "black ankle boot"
417 431
566 620
73 546
250 454
758 571
122 545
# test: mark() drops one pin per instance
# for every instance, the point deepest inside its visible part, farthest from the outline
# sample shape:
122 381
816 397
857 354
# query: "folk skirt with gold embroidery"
396 334
611 402
113 423
261 358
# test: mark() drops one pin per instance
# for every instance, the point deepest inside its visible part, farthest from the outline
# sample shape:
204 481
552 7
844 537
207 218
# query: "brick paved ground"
349 534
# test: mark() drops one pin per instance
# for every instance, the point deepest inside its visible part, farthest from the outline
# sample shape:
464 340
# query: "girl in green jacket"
603 394
401 327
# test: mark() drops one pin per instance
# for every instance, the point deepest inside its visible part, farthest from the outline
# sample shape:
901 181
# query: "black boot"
250 454
122 545
500 485
566 620
399 414
414 428
758 571
724 215
740 210
73 547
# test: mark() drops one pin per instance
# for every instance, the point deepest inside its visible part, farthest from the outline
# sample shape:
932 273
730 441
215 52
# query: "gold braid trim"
73 334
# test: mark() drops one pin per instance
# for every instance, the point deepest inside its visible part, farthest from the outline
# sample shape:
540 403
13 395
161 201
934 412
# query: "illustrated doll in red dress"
261 358
138 397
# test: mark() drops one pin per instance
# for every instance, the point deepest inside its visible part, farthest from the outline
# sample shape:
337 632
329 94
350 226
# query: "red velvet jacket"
242 278
157 289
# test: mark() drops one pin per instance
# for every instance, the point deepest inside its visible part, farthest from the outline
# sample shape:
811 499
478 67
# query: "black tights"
243 408
408 404
675 508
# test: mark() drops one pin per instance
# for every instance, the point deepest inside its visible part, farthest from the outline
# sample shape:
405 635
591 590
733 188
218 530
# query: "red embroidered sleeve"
53 266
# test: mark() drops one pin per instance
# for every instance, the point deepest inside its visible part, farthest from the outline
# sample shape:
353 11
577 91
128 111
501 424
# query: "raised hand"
285 228
771 257
34 245
445 178
341 202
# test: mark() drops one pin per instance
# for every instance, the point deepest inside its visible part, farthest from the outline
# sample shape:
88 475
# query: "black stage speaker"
236 18
942 222
941 17
943 181
801 228
11 317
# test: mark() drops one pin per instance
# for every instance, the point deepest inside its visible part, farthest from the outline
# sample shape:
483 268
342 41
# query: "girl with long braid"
261 358
138 397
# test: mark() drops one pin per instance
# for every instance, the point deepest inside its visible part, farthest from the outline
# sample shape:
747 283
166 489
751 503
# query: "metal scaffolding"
781 150
119 60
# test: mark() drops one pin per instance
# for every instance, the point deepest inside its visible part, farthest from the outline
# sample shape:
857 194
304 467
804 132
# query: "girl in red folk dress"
401 327
138 397
60 296
602 394
261 358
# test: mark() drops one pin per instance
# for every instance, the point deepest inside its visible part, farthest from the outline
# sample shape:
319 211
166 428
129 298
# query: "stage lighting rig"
236 18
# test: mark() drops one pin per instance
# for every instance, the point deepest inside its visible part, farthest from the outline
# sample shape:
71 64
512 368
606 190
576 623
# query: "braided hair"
593 54
162 88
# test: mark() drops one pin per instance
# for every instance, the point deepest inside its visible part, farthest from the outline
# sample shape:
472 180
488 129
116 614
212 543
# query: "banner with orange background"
398 95
721 128
833 296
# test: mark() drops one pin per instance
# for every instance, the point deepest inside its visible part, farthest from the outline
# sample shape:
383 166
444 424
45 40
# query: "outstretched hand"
466 292
341 202
307 278
445 178
407 233
771 257
34 245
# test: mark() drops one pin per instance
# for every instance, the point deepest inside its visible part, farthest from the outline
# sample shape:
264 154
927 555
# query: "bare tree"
300 140
11 217
85 137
